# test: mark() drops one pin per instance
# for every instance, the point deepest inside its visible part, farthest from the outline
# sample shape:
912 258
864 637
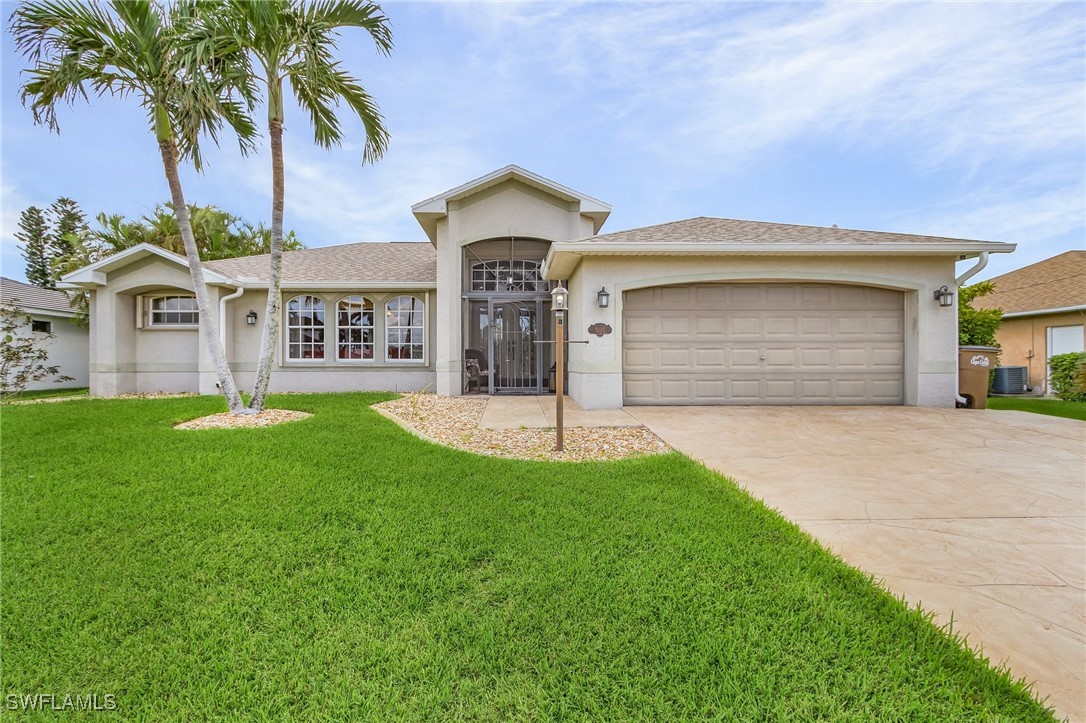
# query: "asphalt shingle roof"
1055 283
705 229
406 262
34 297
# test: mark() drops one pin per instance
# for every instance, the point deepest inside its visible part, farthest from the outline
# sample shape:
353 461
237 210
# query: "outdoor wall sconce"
250 318
944 296
603 298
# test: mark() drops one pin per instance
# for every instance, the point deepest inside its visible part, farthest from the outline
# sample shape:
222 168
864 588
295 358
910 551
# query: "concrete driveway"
975 513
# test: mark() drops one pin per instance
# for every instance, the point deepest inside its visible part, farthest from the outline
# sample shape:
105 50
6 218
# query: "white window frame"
301 328
162 324
390 327
360 306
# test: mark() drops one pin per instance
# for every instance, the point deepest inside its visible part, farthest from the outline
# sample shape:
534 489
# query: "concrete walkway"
514 412
975 513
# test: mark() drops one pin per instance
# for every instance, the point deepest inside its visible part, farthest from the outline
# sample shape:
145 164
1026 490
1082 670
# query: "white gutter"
972 271
222 315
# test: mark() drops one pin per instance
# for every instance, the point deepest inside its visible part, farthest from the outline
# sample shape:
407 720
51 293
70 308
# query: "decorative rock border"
454 421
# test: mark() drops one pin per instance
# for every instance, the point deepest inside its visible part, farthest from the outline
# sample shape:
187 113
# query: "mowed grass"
339 568
45 394
1051 407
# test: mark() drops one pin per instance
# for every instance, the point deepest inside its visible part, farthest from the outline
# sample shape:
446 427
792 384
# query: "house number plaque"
599 329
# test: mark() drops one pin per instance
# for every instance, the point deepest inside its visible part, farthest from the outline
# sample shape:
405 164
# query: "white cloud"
348 202
962 80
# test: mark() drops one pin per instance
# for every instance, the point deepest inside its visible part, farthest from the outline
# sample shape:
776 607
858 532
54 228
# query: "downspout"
222 315
972 271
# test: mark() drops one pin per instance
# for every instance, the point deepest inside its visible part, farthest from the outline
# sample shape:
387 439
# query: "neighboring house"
1044 313
701 311
50 312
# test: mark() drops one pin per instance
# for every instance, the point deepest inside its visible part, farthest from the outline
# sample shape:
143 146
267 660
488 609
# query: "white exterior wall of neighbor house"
595 369
509 209
68 349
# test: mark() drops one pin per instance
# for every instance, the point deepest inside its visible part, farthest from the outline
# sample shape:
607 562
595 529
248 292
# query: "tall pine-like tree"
34 239
69 227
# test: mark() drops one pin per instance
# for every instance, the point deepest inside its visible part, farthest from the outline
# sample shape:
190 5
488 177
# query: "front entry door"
516 359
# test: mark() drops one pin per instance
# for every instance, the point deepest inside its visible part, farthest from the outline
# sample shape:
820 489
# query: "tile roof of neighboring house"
397 262
33 297
705 229
1055 283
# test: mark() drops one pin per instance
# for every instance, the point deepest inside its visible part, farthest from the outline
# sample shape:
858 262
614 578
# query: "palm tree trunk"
208 325
269 337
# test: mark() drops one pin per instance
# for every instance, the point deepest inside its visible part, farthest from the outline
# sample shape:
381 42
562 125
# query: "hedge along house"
702 311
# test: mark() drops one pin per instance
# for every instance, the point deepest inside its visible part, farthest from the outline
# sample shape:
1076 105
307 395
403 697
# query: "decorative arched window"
507 275
405 329
354 328
305 328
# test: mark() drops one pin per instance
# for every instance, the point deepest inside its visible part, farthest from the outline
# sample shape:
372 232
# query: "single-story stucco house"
1044 313
700 311
51 313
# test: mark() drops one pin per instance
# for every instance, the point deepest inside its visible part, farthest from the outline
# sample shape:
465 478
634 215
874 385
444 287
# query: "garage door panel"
639 326
741 358
889 326
747 326
675 358
763 344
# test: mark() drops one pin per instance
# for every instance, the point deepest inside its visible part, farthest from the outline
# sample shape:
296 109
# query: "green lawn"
340 568
1051 407
46 394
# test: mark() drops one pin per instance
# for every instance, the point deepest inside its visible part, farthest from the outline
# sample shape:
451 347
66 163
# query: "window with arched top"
354 328
405 329
305 328
507 275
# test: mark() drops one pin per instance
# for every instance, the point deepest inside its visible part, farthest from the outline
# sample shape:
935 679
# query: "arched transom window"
354 328
305 328
507 275
405 329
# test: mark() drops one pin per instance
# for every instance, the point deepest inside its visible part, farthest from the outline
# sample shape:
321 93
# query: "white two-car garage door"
774 343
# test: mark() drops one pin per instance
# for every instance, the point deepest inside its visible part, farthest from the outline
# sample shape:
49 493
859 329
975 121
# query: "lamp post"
559 305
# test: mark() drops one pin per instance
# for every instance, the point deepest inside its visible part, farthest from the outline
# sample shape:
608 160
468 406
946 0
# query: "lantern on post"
559 305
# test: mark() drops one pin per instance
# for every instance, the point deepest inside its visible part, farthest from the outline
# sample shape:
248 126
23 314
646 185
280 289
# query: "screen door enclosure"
508 330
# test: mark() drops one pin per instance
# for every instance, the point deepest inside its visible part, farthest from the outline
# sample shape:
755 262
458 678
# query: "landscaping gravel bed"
226 420
454 421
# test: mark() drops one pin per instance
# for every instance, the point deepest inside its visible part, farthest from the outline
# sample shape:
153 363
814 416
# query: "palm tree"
130 49
290 40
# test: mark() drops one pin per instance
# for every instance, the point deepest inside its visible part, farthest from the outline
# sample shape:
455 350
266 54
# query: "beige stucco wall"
126 358
328 374
595 369
509 209
1024 342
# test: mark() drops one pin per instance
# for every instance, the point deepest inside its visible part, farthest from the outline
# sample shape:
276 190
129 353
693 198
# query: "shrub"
977 327
1067 375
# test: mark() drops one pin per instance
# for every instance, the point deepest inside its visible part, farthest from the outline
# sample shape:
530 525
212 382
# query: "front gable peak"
430 211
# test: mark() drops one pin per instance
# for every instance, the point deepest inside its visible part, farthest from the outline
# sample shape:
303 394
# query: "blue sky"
955 119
